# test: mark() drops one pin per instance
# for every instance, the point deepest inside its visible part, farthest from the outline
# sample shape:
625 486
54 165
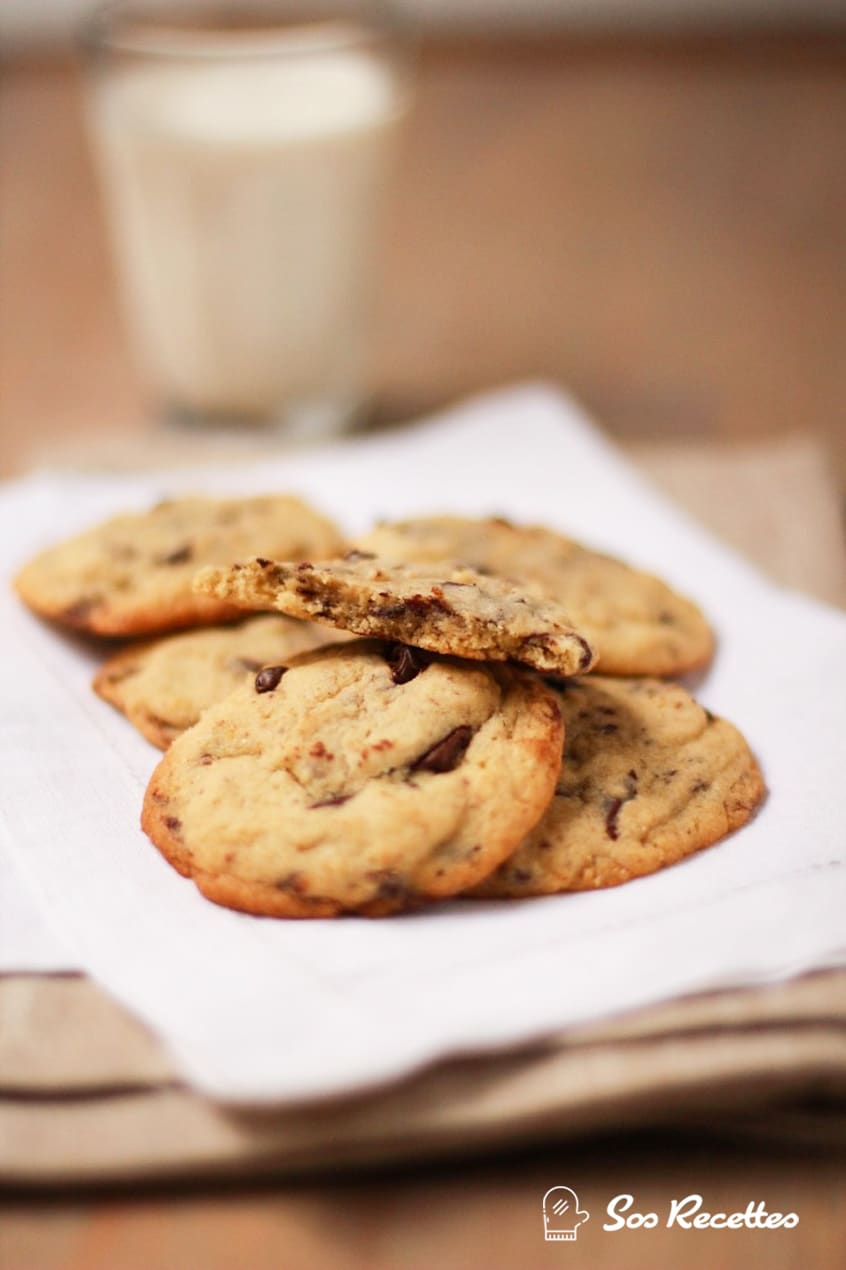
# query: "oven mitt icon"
562 1216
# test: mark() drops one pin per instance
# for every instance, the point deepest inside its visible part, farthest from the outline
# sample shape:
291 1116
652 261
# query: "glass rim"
99 32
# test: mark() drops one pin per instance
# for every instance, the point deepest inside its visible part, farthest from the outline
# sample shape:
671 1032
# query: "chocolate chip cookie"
132 575
365 778
445 608
164 685
649 777
637 624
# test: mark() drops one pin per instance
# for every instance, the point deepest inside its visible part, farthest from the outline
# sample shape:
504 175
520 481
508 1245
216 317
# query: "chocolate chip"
268 679
335 801
587 653
607 728
417 605
421 604
611 826
262 563
387 610
293 884
79 612
355 554
699 787
611 818
173 823
405 663
180 555
389 886
446 754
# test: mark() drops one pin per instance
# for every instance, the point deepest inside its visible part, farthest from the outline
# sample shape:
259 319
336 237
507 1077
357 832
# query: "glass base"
301 422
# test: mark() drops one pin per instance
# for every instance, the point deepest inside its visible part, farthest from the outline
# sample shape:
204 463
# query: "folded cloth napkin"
27 943
256 1011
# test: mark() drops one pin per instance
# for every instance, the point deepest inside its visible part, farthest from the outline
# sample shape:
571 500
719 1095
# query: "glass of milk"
244 155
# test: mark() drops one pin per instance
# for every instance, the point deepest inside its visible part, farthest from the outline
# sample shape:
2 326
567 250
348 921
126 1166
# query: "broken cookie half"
445 608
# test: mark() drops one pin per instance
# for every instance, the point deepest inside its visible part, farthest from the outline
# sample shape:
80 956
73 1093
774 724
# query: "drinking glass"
244 154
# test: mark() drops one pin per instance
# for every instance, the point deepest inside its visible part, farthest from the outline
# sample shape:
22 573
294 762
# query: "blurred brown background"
655 218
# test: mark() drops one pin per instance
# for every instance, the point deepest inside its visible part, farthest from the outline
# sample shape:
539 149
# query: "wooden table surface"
663 228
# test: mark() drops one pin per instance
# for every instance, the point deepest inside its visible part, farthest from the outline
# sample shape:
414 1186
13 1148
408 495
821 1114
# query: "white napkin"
258 1010
27 943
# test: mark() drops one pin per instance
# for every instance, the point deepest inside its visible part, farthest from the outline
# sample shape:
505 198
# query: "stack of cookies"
445 706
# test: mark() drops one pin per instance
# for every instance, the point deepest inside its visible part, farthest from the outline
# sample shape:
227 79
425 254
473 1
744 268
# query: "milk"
243 199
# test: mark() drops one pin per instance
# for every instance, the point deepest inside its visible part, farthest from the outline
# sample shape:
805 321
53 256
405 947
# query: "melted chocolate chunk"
81 610
611 826
611 818
387 610
268 679
587 653
180 555
262 563
292 884
417 605
446 754
335 801
389 886
406 663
